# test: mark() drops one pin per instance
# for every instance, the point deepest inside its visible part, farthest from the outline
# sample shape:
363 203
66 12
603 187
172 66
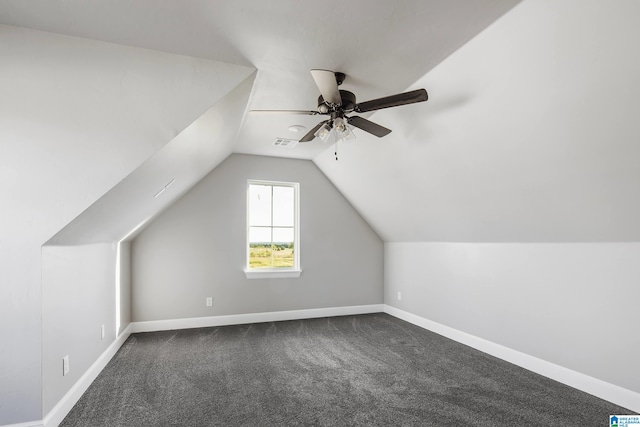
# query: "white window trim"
276 273
280 273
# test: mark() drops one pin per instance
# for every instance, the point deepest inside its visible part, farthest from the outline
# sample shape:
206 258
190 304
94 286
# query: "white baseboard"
27 424
240 319
604 390
57 414
610 392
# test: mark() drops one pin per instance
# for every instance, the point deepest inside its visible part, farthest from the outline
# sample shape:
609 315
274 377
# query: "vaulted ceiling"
513 145
383 47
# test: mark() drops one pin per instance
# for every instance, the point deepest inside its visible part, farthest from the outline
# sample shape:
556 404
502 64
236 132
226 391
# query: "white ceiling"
134 202
77 116
528 134
382 46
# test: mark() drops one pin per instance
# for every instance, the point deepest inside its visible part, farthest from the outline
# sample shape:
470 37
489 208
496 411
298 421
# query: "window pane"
283 206
260 235
272 225
282 235
259 205
260 247
259 255
283 247
283 257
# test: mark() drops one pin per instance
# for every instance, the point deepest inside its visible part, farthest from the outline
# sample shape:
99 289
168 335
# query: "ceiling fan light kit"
342 131
337 103
324 132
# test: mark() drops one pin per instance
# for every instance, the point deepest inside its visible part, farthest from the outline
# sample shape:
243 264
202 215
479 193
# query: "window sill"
272 274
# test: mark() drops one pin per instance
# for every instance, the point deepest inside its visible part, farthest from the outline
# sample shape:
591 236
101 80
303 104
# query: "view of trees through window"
271 226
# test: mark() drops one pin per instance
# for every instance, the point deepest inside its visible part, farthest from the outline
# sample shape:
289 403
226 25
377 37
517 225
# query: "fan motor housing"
348 102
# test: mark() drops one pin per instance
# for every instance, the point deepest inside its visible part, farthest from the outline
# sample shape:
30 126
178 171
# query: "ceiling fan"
337 104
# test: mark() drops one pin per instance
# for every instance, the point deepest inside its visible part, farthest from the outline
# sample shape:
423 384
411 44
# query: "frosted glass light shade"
324 132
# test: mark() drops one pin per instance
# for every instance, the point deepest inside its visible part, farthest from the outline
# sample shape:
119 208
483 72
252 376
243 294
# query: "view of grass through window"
265 255
271 226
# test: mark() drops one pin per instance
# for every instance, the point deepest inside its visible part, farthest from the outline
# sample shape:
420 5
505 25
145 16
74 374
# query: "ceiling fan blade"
368 126
418 95
310 136
326 82
299 112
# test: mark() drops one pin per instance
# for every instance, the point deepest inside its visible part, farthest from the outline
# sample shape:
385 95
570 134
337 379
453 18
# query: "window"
272 230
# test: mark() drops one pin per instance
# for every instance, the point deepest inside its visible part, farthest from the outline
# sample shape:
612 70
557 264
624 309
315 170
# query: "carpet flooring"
367 370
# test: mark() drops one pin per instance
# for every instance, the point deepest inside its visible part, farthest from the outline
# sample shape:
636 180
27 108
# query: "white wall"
182 162
530 135
196 249
76 117
575 305
124 293
79 285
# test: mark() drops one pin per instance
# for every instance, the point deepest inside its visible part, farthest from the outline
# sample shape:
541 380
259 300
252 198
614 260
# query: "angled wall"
196 248
508 202
166 175
85 289
529 135
79 286
76 117
574 305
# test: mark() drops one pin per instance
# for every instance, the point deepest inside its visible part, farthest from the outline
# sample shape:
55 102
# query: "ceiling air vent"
284 142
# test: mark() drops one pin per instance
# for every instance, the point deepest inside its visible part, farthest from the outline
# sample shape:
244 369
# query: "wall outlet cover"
209 301
65 365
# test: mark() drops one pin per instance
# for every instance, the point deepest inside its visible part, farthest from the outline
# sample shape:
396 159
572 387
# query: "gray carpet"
341 371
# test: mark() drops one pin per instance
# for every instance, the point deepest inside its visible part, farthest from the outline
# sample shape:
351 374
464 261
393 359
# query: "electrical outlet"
399 296
209 301
102 332
65 365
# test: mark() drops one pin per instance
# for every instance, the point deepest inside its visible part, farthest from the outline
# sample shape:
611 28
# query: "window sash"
272 224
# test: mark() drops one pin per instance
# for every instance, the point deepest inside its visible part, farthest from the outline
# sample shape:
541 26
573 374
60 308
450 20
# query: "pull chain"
336 151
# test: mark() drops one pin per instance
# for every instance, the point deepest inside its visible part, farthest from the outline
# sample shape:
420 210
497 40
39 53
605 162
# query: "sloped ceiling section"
530 135
81 108
162 179
173 26
382 46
